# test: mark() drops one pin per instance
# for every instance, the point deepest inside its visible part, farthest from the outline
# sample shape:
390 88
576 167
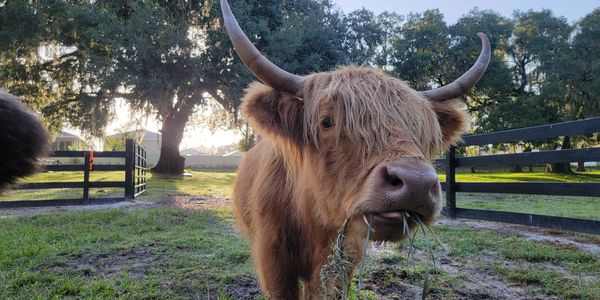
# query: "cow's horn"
465 82
262 68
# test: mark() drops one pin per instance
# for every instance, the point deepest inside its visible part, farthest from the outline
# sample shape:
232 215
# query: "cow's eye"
327 123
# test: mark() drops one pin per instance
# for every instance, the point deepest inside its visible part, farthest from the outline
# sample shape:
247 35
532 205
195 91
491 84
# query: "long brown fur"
296 187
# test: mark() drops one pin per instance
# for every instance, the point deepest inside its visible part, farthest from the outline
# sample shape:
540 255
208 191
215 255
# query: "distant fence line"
588 189
133 165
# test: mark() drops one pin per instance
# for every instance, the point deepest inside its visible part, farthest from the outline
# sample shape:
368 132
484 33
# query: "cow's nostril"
392 179
435 191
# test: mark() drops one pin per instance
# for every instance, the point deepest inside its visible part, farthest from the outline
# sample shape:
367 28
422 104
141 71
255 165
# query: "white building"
151 141
191 152
66 141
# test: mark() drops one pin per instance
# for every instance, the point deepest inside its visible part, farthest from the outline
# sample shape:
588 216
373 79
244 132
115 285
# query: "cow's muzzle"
400 188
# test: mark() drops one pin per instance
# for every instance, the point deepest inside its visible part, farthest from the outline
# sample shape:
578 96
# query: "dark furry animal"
23 140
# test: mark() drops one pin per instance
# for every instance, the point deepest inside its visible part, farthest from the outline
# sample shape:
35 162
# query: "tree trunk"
563 168
170 161
528 149
580 166
516 169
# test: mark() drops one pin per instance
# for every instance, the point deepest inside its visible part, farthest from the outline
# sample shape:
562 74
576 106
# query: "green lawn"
65 193
156 253
562 206
201 183
133 254
173 253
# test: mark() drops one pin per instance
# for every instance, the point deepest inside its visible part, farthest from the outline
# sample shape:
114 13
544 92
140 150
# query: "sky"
573 10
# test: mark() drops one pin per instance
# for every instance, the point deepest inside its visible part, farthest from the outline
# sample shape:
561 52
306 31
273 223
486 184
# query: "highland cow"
351 146
24 140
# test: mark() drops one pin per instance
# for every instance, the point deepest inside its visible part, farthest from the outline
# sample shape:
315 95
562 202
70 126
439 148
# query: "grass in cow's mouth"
335 278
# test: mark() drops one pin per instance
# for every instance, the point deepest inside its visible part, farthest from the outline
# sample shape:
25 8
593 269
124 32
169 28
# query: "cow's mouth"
389 217
393 218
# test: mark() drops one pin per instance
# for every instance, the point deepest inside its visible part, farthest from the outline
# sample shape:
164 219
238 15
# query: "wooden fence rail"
588 189
135 169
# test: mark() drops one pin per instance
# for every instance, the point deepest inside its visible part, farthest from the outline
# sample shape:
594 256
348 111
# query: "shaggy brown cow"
23 139
351 144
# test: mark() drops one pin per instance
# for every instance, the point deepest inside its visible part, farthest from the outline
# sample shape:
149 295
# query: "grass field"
156 253
202 183
562 206
167 252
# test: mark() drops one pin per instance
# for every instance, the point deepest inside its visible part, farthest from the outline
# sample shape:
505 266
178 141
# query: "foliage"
171 56
173 59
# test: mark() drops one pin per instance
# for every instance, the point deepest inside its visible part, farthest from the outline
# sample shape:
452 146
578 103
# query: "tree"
39 62
172 56
390 25
537 50
363 37
582 78
585 81
420 53
495 86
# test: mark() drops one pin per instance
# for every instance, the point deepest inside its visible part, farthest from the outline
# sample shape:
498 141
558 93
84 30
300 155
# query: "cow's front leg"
275 271
316 289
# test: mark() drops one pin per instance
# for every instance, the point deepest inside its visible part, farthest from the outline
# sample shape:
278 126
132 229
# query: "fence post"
129 166
451 183
86 177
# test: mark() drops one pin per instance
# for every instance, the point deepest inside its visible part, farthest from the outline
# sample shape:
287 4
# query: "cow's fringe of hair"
393 106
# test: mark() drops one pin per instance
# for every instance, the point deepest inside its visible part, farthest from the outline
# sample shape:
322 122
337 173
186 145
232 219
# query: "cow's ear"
273 113
453 118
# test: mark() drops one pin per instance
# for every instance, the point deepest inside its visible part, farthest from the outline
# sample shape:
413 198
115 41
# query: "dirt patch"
28 211
390 281
380 282
182 201
558 237
244 288
135 262
185 201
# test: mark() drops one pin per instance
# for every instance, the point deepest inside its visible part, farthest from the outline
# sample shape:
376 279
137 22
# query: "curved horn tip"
467 81
259 65
485 41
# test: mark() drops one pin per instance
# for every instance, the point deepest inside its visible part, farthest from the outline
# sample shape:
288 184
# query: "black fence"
134 184
588 189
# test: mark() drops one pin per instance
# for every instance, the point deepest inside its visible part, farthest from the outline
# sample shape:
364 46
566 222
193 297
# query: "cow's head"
359 141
